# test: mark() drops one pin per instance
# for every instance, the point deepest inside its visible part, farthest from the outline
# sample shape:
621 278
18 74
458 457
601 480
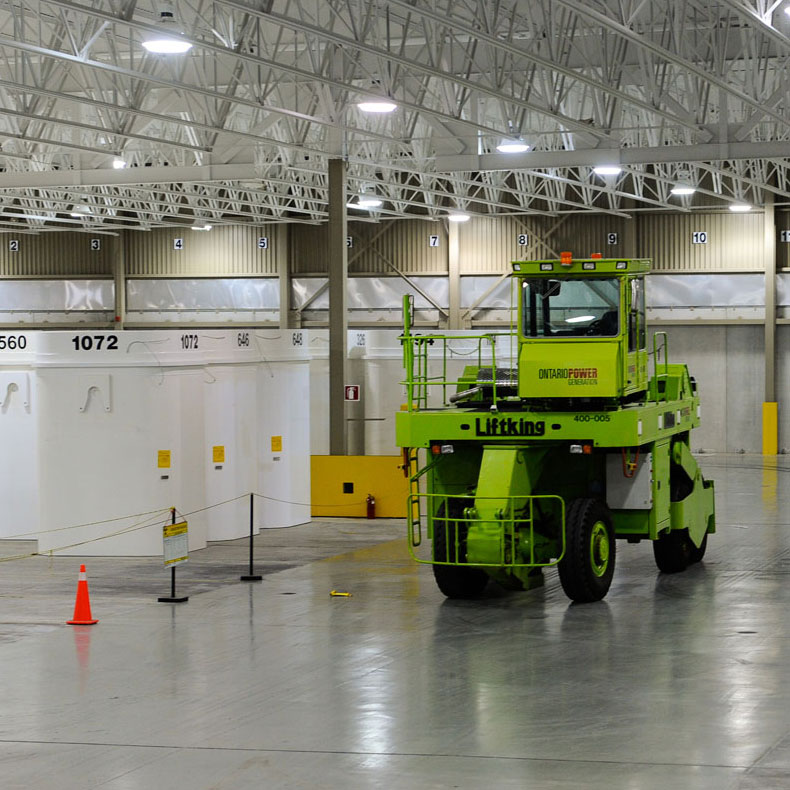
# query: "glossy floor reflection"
672 681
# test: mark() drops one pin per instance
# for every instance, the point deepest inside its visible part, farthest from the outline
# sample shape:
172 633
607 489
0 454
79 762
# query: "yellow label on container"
163 459
277 444
218 453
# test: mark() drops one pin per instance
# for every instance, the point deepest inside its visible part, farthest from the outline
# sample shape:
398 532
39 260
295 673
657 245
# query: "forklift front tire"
587 567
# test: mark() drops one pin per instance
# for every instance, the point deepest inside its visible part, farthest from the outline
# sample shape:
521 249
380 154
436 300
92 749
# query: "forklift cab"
581 328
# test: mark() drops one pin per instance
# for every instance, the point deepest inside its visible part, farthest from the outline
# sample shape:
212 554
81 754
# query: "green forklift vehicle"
547 456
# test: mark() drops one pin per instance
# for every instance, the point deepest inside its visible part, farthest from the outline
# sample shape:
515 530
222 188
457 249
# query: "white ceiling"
240 128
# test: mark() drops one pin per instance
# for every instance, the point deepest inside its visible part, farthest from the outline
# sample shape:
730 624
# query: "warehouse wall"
227 278
224 251
728 364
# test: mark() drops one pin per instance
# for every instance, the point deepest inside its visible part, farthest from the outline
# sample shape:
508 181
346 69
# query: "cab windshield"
585 307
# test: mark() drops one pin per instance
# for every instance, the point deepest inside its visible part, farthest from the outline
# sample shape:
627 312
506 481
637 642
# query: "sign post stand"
175 551
251 576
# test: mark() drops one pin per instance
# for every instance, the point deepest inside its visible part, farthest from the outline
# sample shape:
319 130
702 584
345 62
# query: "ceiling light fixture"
118 163
368 201
607 170
459 217
512 147
682 189
165 41
202 226
377 106
79 212
739 207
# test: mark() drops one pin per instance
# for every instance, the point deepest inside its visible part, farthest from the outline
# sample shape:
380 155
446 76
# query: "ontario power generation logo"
573 376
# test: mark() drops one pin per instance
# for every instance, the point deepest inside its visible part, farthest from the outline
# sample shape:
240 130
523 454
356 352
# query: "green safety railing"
660 376
419 351
518 547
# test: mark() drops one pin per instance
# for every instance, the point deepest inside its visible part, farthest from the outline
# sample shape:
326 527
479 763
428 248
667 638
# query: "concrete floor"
673 681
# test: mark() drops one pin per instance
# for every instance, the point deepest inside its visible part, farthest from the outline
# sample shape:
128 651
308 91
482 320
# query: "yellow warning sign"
218 453
277 444
171 530
163 459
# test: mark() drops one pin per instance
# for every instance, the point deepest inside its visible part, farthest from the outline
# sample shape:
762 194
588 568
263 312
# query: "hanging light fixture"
377 106
167 41
517 146
607 170
369 201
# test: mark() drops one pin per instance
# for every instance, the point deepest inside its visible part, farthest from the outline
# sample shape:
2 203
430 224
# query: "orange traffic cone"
82 607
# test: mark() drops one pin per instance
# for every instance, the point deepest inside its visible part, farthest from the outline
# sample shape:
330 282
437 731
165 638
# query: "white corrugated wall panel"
56 255
487 245
585 234
376 248
734 242
308 249
230 250
398 245
782 245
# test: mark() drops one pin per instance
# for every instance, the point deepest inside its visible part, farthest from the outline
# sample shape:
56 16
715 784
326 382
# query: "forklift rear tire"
587 567
455 581
673 551
698 553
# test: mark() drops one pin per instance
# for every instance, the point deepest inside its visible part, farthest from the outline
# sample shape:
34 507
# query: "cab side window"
637 338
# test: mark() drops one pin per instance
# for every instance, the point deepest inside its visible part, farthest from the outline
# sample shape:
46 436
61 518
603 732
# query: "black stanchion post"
172 597
251 577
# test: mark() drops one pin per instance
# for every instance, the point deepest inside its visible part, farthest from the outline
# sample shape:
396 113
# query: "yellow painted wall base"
378 475
770 428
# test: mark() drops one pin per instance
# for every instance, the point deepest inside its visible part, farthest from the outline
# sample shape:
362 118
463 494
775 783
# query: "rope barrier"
21 535
307 504
145 524
156 516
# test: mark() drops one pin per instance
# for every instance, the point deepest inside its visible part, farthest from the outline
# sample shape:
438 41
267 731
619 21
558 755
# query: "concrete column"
119 276
338 317
284 275
454 274
630 242
770 406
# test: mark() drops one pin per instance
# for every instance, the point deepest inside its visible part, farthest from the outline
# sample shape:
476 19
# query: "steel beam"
338 315
590 157
454 275
119 276
769 236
